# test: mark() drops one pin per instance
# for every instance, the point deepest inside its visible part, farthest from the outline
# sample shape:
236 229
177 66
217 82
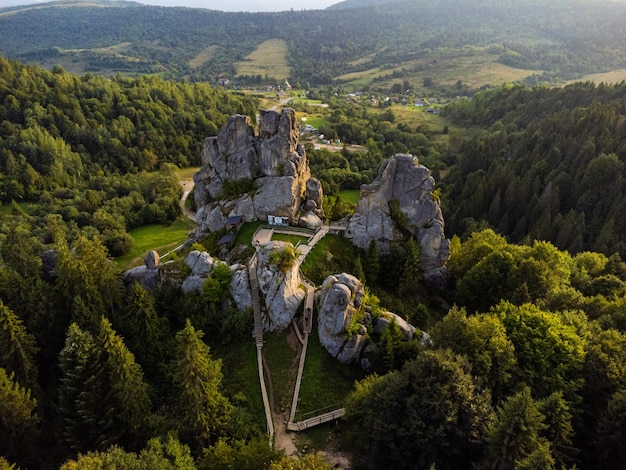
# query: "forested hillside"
86 148
523 367
548 165
563 38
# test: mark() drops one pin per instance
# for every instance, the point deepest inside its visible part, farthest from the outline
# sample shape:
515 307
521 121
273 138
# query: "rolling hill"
355 43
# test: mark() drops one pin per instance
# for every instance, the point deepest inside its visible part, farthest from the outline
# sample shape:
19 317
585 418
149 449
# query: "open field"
614 76
162 238
187 173
204 56
269 58
474 68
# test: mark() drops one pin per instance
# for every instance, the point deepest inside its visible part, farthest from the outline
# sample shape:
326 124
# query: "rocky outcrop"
340 300
154 274
281 288
399 204
344 320
272 164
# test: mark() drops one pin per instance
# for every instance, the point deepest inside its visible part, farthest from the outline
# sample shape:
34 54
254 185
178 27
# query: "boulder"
310 220
407 187
240 289
193 283
340 299
200 263
408 330
48 266
149 279
282 294
152 260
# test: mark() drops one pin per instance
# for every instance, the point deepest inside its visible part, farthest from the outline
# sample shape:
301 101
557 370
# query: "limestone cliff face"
407 187
274 161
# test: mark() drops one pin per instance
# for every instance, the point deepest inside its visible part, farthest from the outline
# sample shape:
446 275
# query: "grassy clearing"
241 376
350 195
244 237
333 254
474 67
203 57
5 208
269 58
187 173
612 77
325 381
161 238
293 239
279 357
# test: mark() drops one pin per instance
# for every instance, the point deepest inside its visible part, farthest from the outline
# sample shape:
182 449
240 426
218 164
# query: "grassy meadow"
162 238
269 58
474 68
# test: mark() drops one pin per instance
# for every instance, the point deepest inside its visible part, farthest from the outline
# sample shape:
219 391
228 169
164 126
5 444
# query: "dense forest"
524 368
547 164
85 148
563 39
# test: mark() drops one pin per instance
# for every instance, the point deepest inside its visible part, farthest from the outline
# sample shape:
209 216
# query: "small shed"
234 222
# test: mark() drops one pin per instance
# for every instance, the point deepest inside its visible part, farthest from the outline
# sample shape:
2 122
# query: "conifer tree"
205 411
17 417
17 349
371 264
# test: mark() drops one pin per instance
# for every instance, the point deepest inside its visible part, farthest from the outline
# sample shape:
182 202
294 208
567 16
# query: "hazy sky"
223 5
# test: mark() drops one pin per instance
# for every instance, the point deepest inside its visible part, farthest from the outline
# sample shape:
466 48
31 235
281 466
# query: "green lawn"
293 239
5 207
350 195
187 173
162 238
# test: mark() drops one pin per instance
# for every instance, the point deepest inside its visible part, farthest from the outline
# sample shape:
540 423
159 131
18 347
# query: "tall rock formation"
398 204
272 163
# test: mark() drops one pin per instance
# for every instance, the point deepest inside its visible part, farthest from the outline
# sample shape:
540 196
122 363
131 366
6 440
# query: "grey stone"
274 160
281 290
200 263
192 283
152 260
403 179
408 330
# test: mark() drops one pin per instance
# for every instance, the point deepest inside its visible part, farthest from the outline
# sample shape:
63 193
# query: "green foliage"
234 188
284 258
541 170
18 417
515 434
158 455
484 341
252 455
17 349
204 410
216 287
432 413
550 354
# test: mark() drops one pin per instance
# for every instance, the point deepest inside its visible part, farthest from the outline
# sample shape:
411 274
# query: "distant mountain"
347 4
359 42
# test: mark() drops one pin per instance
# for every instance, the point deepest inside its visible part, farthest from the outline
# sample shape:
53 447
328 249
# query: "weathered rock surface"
274 162
341 298
281 290
152 260
403 182
408 330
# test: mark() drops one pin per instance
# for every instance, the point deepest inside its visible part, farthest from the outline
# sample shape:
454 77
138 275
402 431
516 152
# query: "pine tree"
205 411
17 349
371 266
412 269
17 417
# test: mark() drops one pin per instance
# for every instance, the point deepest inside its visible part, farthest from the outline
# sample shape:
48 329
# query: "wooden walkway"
258 338
261 236
316 420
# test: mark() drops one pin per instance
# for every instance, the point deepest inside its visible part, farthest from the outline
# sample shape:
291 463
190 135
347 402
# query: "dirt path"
187 187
